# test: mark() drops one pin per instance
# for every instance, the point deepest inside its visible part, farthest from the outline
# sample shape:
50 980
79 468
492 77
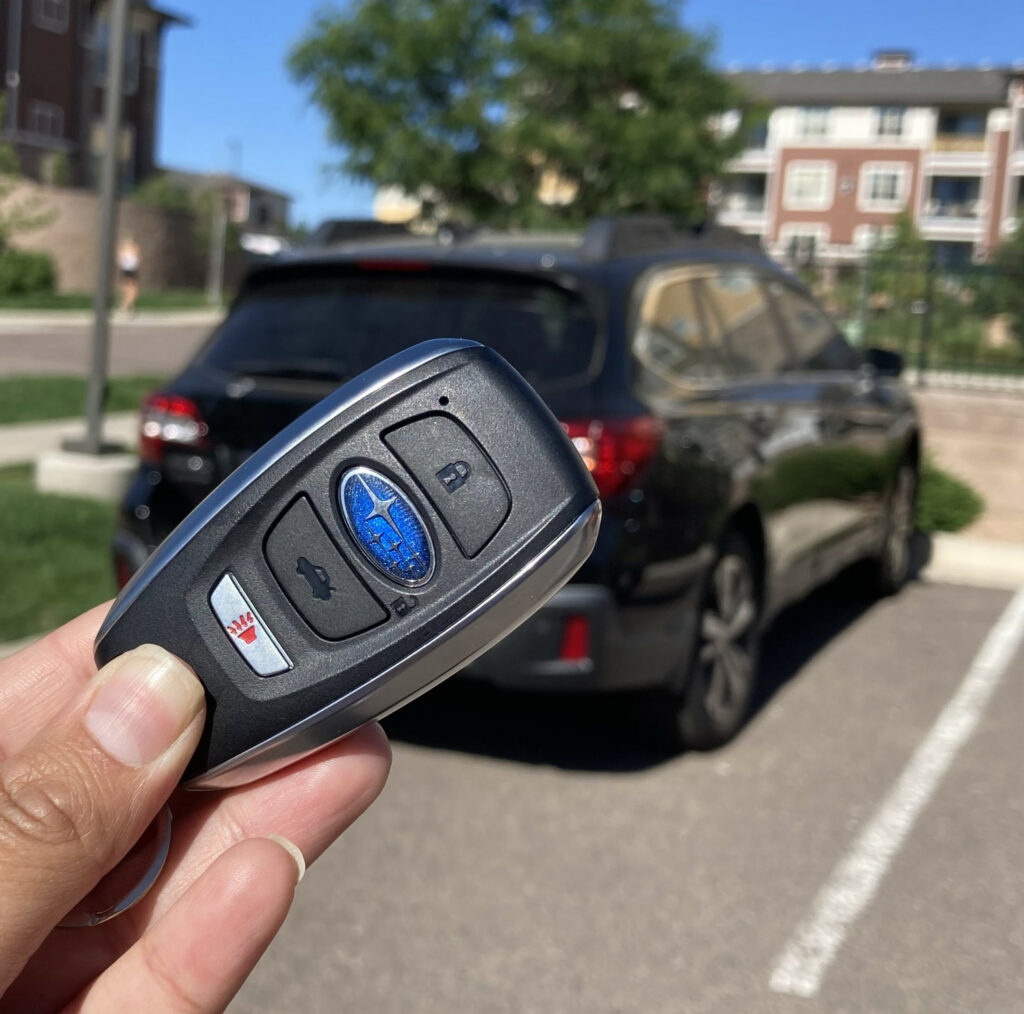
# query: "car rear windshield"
341 325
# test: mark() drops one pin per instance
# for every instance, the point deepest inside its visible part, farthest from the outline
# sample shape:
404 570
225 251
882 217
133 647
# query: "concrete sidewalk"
970 560
980 439
24 442
49 320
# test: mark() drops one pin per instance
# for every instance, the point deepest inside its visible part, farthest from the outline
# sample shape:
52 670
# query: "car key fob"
374 547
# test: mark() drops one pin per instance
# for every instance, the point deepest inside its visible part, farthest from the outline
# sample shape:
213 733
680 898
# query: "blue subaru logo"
386 527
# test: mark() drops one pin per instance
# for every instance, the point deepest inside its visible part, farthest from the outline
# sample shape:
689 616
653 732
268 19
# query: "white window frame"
791 202
806 116
48 21
39 111
882 120
901 170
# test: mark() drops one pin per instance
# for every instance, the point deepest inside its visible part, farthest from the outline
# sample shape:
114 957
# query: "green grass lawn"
54 555
30 398
168 299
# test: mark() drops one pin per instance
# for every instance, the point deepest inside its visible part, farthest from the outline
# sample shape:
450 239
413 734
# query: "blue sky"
225 82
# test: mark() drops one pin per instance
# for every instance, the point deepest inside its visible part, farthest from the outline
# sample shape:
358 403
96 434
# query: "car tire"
891 567
718 688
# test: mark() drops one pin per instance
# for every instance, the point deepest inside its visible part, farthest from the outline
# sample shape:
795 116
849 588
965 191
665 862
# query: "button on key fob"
374 547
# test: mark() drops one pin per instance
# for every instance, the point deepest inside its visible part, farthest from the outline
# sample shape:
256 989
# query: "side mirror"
885 363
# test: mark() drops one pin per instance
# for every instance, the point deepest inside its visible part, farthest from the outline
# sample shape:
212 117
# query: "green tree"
160 191
898 269
522 112
901 293
18 213
1002 290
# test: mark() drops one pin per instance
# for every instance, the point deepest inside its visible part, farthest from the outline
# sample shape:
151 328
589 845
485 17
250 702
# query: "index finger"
38 682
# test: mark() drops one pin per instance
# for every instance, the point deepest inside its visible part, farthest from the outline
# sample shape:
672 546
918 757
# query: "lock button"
456 475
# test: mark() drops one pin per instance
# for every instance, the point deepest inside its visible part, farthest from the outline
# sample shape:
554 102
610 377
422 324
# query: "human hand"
87 760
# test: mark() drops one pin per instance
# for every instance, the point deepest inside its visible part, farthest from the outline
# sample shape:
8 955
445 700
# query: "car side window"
751 334
671 342
812 333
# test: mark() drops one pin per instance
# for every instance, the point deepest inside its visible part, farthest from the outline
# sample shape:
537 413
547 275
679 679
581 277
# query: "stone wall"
170 257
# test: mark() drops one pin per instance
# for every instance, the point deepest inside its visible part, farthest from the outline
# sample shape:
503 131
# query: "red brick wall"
844 216
995 190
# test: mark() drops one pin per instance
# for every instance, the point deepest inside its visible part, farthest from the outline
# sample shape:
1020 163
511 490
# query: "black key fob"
374 547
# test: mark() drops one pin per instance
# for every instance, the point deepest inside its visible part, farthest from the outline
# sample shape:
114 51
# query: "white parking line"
813 947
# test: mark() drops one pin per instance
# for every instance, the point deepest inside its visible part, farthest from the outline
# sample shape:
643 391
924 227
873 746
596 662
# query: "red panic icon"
243 628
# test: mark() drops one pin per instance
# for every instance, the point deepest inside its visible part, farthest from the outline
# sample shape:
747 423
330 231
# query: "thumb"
74 801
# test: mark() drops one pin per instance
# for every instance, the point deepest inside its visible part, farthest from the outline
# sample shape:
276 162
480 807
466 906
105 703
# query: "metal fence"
956 325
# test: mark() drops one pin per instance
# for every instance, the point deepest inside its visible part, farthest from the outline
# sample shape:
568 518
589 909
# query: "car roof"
535 253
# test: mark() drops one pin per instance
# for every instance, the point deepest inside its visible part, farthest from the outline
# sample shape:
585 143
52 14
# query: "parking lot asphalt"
135 348
536 853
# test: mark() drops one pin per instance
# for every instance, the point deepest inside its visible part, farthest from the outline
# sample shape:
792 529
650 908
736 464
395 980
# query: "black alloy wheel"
715 700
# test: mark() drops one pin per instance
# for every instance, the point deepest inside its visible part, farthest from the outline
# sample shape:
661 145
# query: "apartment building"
53 65
844 151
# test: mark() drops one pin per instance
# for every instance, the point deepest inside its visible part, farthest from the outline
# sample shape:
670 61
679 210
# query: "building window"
889 121
51 14
131 57
813 121
809 186
957 124
883 186
45 120
85 23
801 243
151 47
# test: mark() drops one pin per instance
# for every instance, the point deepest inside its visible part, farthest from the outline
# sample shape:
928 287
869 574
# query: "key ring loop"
156 838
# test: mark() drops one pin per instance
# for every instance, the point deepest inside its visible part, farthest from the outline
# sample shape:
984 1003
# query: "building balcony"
742 203
968 161
752 160
959 143
952 220
966 210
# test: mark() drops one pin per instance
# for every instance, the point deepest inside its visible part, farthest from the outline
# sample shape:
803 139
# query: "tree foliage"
1004 291
521 112
18 212
162 191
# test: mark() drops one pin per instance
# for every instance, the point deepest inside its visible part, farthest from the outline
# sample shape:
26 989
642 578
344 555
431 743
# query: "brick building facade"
53 60
843 152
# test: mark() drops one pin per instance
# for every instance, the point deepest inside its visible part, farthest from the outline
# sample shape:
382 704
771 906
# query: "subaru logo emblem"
386 527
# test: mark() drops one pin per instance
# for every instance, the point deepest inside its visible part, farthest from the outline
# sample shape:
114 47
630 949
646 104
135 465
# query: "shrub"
25 272
944 502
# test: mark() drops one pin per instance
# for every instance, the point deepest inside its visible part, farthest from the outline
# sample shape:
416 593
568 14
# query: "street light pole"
218 237
113 99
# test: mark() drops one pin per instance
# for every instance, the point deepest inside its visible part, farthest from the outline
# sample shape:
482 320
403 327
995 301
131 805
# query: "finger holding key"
79 794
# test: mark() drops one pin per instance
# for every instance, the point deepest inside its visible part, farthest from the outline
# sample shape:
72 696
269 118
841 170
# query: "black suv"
744 451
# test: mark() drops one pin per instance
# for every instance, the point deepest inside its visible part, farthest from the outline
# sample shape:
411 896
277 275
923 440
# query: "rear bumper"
628 649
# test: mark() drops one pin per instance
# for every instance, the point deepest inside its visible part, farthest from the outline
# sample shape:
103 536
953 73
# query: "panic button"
246 630
453 470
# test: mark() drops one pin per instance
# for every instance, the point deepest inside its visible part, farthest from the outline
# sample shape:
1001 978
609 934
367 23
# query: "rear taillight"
122 571
169 419
616 450
575 646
